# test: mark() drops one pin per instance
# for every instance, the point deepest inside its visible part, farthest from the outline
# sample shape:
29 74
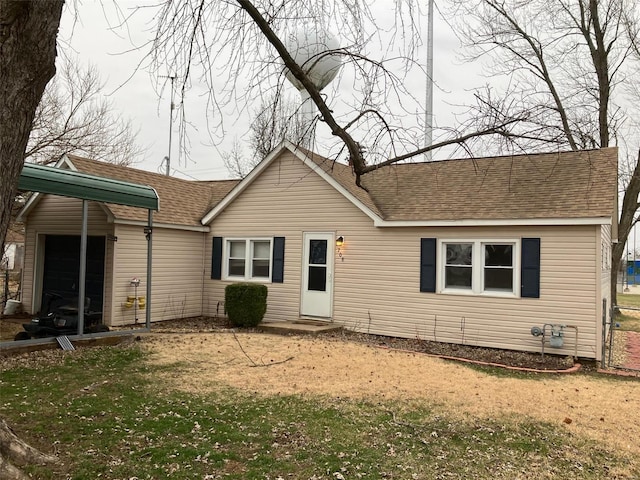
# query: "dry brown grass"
601 408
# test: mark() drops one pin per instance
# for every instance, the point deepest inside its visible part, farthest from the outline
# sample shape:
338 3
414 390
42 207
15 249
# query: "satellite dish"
311 47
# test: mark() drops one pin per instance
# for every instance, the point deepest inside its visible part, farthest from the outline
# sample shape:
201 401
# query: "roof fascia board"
65 161
172 226
496 222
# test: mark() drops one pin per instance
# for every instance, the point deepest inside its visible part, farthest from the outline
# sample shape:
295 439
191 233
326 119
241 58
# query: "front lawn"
109 416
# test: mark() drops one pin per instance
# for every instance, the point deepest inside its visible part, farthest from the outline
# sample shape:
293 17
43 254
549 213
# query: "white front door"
317 276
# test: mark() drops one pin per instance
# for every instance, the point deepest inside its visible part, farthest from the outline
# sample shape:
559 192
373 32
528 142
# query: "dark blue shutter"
530 281
427 264
277 275
216 259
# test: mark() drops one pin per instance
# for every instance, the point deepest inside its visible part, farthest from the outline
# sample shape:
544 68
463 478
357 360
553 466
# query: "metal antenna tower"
428 113
168 157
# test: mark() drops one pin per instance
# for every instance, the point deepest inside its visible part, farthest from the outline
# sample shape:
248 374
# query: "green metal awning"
66 183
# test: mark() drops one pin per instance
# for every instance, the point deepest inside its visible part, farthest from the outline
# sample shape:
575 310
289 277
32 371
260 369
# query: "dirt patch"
490 355
338 367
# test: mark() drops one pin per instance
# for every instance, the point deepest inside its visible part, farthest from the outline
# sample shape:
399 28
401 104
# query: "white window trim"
477 277
248 257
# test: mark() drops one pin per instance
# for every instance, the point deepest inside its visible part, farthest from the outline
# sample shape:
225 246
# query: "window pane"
458 277
237 249
317 252
261 249
236 267
261 268
498 255
459 253
317 279
498 279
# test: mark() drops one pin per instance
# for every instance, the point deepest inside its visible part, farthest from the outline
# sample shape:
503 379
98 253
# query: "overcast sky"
93 37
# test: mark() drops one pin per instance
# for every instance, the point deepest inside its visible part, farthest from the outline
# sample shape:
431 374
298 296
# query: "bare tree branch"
564 60
74 116
244 42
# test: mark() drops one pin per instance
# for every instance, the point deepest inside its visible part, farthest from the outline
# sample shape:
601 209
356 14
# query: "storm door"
317 277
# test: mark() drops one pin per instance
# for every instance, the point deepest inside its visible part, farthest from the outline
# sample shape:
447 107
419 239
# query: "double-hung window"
458 269
248 259
498 267
479 267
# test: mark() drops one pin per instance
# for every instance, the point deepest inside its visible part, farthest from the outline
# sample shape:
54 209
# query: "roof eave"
171 226
495 222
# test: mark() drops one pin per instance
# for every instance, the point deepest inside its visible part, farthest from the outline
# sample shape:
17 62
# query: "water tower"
311 47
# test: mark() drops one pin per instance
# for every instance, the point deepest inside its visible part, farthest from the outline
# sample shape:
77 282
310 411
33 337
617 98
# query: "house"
13 249
117 246
474 251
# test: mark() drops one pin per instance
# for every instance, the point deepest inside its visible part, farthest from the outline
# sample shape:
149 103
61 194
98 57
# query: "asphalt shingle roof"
580 184
182 202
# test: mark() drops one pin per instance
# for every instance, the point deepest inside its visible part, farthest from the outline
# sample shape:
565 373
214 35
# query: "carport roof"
66 183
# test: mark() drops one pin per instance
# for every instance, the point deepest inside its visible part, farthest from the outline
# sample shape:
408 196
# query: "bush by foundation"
246 303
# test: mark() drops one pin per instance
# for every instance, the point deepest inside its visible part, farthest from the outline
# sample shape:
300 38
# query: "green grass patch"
628 322
109 417
629 300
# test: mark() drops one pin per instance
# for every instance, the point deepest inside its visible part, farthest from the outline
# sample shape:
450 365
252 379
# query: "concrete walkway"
632 362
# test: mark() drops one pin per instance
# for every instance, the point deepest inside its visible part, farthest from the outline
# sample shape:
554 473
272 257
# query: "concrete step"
285 328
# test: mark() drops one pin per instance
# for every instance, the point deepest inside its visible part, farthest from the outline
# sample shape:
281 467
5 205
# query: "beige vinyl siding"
176 273
59 216
376 282
604 271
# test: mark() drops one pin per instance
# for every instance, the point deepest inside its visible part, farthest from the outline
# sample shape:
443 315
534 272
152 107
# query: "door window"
317 280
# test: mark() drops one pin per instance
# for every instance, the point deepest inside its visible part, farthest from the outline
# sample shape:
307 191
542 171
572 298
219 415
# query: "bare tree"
244 40
562 63
276 120
75 116
236 162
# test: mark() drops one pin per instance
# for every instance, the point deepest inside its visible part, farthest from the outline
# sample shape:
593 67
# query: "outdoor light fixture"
340 241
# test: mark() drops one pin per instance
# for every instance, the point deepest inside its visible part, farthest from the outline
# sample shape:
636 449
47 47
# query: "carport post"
149 232
83 267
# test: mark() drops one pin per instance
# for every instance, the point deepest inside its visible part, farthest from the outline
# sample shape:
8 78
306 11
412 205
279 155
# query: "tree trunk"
12 449
628 213
28 31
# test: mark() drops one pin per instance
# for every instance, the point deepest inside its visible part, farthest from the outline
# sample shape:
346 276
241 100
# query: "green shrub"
246 303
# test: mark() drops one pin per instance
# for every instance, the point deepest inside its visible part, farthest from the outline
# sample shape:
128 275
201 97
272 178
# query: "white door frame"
317 302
